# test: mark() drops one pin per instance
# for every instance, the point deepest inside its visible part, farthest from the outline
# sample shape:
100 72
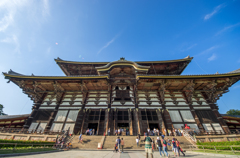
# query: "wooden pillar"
147 118
138 121
98 122
199 124
106 122
160 120
59 98
65 120
130 122
220 119
83 121
167 119
115 120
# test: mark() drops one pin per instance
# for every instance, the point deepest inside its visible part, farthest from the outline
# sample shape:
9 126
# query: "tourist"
116 132
148 130
137 141
119 131
164 143
159 146
79 138
153 144
122 144
119 143
93 131
139 137
116 147
165 131
179 148
108 131
154 132
148 147
127 131
169 132
176 132
175 149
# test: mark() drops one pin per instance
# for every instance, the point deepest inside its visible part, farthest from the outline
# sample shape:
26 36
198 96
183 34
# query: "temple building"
125 94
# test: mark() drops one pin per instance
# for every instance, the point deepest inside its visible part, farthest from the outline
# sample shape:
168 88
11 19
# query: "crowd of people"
90 131
120 131
161 144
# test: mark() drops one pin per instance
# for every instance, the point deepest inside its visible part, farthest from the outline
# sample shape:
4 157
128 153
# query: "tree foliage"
1 110
233 112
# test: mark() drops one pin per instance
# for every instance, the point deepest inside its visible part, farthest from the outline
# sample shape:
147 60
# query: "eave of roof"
188 76
59 61
7 76
13 117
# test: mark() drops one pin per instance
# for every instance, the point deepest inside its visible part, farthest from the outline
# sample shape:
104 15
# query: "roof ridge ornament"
187 57
122 58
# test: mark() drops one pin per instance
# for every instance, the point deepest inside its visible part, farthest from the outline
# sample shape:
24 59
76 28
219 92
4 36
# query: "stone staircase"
89 142
130 142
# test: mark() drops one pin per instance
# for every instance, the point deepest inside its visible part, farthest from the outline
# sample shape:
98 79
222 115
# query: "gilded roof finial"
122 58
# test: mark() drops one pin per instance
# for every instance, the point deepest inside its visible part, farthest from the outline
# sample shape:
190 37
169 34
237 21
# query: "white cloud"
208 50
213 57
45 10
227 28
108 43
216 9
188 48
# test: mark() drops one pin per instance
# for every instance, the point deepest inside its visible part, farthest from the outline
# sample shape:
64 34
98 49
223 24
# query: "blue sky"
33 33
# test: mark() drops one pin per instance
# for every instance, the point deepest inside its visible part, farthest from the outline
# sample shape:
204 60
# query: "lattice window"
94 115
122 115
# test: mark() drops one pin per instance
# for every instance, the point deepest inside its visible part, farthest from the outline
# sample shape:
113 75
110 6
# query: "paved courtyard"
103 154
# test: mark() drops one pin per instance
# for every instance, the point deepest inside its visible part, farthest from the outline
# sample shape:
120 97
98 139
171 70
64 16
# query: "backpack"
119 141
164 142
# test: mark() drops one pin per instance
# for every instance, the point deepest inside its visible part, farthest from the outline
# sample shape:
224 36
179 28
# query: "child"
137 141
116 147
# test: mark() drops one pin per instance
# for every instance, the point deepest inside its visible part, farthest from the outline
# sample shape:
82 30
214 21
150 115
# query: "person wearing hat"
148 146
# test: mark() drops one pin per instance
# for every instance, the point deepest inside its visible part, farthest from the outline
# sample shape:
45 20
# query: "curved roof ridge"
235 71
59 60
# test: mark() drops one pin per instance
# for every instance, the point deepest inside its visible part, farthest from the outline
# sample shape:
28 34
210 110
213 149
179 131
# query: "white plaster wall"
61 115
175 116
72 116
187 116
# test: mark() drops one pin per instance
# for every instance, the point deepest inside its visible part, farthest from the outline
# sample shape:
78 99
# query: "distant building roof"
231 115
13 117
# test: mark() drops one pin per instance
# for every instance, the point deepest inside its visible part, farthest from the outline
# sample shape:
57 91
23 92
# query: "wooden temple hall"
124 94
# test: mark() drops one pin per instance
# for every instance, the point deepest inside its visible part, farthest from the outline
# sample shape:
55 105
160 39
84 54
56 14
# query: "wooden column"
130 122
115 120
59 98
160 120
106 122
65 120
138 121
98 122
220 119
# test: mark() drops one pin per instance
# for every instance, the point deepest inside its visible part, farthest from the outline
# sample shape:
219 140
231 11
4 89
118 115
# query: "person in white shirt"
137 141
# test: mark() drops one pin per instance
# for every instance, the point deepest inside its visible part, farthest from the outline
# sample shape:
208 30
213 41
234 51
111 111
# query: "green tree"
233 112
1 110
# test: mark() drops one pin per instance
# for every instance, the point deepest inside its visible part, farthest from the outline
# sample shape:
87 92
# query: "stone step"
89 142
130 142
